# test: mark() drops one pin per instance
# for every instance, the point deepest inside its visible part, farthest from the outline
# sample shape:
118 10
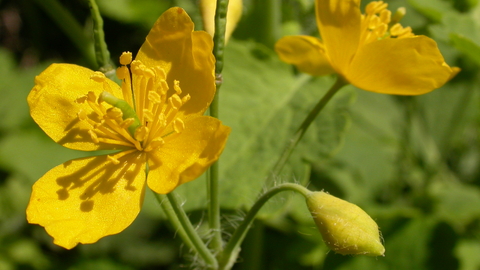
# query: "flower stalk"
295 139
232 248
101 50
213 172
189 231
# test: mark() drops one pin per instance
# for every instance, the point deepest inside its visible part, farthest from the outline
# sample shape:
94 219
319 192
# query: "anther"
113 160
375 7
91 97
155 143
114 113
175 101
125 58
154 97
141 133
94 136
82 115
122 72
385 16
186 98
176 87
160 72
148 115
98 76
127 122
178 125
81 99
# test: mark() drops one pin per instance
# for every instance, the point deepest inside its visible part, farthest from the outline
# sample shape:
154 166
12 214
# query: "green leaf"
14 87
467 253
432 9
143 12
31 153
466 46
264 103
456 203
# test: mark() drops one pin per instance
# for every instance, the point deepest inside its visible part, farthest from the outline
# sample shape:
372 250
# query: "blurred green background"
411 162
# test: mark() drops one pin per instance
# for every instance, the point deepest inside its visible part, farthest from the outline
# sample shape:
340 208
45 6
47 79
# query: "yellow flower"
154 120
371 51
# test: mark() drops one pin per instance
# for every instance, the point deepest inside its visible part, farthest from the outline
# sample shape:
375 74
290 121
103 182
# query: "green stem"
189 232
268 21
302 129
218 48
101 49
70 27
172 217
231 250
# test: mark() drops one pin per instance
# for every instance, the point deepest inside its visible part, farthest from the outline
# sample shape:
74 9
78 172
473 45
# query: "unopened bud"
345 227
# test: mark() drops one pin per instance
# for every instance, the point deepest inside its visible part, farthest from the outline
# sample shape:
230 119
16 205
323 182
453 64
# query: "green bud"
345 227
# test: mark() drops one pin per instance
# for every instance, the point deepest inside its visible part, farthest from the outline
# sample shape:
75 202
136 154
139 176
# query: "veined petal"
406 66
54 108
187 155
86 199
186 56
339 24
306 53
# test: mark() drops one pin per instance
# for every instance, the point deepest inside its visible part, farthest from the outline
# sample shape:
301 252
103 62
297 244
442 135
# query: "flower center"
378 23
146 115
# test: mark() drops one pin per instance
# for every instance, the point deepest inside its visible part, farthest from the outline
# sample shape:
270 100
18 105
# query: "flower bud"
345 227
234 13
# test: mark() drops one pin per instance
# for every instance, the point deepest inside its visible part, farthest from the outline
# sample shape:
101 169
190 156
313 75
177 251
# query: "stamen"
81 99
178 125
114 113
127 111
375 7
93 135
148 115
91 97
82 115
155 143
98 76
127 122
113 160
186 98
154 97
175 102
176 87
125 58
141 133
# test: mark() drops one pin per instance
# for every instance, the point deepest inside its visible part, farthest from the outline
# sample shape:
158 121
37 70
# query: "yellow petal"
86 199
406 66
185 55
306 53
339 25
54 108
188 155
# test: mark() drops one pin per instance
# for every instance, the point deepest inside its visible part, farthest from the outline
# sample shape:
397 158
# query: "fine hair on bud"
345 227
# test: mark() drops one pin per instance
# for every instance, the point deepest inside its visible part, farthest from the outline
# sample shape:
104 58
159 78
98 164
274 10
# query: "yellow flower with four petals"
154 120
371 51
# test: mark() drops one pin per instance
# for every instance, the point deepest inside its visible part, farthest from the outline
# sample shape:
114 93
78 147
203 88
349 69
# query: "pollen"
145 117
126 58
378 23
